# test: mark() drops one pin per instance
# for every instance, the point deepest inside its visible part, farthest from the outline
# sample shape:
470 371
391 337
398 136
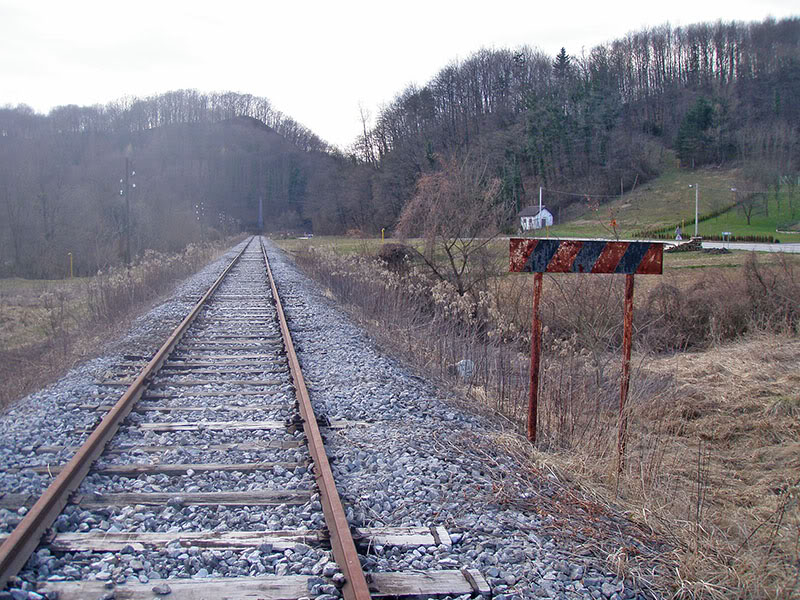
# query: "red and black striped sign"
576 256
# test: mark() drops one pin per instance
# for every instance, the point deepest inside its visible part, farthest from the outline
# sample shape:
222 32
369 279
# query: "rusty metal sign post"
540 256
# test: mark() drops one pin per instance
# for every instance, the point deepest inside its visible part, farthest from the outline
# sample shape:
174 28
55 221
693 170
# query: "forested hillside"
198 167
597 122
589 123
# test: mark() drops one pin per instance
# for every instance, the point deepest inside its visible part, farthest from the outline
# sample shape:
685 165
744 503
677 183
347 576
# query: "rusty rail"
18 547
342 544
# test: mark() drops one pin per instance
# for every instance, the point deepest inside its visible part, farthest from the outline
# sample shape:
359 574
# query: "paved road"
791 247
795 248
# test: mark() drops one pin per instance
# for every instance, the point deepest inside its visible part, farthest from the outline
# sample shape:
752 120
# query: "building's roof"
531 211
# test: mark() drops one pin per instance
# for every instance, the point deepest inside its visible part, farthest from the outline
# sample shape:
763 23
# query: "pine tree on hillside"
693 140
562 64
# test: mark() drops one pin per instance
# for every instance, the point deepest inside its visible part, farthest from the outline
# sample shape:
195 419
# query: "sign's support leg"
536 350
627 336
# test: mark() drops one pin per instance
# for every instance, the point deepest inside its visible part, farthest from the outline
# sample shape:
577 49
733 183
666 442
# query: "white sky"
316 61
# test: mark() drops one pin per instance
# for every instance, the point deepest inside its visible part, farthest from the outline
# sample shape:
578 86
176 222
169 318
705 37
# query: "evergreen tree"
693 141
511 187
563 64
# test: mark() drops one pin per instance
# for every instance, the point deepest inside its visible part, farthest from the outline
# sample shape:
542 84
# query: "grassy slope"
668 200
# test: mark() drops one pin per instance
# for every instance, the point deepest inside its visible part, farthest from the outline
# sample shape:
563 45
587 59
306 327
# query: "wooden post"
536 350
627 336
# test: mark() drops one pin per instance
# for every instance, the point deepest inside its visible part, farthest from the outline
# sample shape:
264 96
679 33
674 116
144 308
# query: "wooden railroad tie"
418 584
230 425
134 448
94 501
103 541
136 469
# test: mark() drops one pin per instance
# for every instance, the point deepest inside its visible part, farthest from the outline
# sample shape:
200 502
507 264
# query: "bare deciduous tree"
457 211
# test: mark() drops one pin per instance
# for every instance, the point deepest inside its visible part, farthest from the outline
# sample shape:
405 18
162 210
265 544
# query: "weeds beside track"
711 472
50 325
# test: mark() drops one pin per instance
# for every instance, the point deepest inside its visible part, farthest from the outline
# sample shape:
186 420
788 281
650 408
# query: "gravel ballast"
403 462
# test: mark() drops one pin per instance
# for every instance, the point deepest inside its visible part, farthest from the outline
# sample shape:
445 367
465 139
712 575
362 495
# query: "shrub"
773 292
116 290
395 256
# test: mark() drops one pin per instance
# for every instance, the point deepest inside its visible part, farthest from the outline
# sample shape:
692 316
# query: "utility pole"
696 187
540 207
126 191
127 211
200 214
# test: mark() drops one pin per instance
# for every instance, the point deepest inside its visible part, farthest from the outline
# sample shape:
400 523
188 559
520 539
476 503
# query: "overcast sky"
316 61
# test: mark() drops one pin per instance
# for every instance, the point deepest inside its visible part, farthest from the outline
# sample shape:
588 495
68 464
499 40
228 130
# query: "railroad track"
211 465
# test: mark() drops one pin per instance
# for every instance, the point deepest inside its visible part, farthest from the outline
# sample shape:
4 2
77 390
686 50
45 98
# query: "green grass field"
338 243
668 200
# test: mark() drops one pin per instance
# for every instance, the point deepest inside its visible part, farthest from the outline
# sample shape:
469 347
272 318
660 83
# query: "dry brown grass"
28 309
737 411
710 490
713 460
46 327
726 445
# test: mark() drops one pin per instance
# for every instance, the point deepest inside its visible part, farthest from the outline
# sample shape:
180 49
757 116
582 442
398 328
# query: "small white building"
531 218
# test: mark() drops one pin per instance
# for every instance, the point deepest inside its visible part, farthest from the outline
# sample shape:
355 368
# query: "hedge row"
669 229
755 239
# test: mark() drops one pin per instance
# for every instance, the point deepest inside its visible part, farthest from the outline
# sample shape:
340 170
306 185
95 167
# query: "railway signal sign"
540 256
586 256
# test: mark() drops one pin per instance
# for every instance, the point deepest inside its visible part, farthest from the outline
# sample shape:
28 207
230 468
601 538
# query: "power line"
702 188
580 194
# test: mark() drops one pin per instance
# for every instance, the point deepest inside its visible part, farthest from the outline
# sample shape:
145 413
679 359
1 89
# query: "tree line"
593 123
199 166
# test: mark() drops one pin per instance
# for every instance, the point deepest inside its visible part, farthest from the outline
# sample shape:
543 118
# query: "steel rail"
342 544
18 547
